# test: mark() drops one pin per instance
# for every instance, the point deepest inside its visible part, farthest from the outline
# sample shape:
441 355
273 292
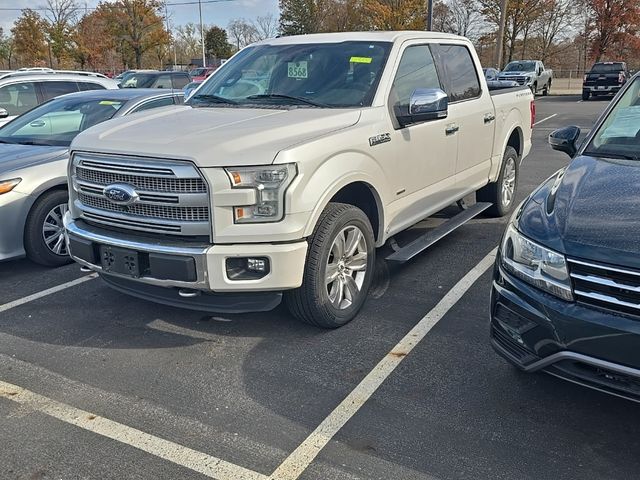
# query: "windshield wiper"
277 96
624 156
213 99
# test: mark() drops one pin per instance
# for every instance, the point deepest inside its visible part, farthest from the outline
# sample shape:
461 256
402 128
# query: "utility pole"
166 19
204 58
429 15
500 40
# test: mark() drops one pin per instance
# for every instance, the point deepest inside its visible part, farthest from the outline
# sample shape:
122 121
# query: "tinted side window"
461 72
17 98
53 89
160 102
416 70
180 80
163 81
90 86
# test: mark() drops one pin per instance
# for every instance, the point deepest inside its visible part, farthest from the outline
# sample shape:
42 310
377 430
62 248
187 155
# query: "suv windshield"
520 67
57 122
619 135
321 75
607 68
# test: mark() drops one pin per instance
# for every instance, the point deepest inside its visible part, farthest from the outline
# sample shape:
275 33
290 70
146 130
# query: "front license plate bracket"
120 260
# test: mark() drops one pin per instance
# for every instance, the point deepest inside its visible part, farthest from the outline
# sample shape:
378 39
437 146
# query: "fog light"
247 268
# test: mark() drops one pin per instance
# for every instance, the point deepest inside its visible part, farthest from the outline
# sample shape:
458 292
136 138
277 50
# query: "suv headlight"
270 183
7 185
535 264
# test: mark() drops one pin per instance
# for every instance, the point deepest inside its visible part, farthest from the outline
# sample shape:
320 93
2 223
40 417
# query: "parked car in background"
566 286
289 167
531 73
21 91
119 78
491 76
604 78
190 88
176 80
34 152
201 74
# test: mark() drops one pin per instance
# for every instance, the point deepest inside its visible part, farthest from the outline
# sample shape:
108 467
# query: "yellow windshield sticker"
109 102
360 60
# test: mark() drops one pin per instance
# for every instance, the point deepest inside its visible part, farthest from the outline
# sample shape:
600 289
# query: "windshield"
198 72
607 68
521 67
619 135
57 122
321 75
138 80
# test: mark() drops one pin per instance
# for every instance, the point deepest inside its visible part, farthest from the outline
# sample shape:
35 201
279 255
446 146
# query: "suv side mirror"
426 104
565 139
3 113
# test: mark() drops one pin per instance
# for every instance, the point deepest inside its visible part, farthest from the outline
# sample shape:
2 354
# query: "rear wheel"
502 192
338 270
44 239
585 96
546 89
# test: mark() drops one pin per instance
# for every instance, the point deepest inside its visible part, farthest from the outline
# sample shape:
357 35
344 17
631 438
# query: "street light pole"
500 40
204 59
429 15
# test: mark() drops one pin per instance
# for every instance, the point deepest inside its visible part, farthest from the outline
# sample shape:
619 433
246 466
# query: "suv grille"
605 286
172 196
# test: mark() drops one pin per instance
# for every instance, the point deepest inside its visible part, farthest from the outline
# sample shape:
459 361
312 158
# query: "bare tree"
554 27
466 18
61 17
265 26
242 32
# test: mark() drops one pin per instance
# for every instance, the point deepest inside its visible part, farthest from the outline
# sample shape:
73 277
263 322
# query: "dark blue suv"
566 288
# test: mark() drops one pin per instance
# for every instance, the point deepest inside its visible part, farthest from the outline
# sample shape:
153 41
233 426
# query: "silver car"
34 153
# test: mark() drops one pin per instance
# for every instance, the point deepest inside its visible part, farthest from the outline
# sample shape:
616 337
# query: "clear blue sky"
212 13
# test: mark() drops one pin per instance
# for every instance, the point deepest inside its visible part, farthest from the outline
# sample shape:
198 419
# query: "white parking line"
545 119
197 461
302 456
44 293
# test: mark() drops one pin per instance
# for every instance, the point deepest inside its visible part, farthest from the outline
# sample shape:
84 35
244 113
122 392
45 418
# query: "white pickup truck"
531 73
291 165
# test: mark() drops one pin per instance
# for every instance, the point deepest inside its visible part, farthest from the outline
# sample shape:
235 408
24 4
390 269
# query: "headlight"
270 183
535 264
7 185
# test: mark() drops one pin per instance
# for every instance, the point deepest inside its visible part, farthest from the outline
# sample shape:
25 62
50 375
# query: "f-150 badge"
378 139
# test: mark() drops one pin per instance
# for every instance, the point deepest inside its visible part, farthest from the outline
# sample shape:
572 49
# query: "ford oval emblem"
120 193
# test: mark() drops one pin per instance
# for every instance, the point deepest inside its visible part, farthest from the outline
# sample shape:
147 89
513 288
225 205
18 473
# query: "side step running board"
423 242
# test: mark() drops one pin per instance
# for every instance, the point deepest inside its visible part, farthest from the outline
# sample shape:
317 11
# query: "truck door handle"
451 129
489 117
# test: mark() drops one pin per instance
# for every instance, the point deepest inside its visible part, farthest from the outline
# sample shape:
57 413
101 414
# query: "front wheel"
338 270
585 96
502 192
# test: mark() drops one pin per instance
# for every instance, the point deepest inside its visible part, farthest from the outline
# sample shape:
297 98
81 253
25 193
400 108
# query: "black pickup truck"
604 78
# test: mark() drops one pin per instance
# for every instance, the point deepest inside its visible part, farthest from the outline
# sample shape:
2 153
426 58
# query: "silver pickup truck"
289 166
530 73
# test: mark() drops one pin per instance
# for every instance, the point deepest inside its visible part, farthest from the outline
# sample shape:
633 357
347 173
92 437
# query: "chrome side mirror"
3 113
426 104
565 139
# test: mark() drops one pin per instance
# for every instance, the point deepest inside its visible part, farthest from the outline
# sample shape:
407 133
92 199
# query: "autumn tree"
614 24
216 42
29 39
61 16
395 14
93 39
137 26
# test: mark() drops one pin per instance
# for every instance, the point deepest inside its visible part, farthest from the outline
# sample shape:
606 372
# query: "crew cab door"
471 112
425 156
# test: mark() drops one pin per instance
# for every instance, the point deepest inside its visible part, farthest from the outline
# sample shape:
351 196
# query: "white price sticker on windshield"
297 69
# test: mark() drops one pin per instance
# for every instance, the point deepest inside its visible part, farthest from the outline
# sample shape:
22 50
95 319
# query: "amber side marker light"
7 185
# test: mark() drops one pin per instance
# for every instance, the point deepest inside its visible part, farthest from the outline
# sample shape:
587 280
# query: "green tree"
29 40
298 17
61 16
216 42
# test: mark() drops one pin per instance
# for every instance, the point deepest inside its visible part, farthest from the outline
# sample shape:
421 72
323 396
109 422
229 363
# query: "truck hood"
213 137
516 74
588 211
16 157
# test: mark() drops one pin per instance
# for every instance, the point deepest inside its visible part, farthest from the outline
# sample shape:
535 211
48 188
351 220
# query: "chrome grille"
152 184
172 197
606 286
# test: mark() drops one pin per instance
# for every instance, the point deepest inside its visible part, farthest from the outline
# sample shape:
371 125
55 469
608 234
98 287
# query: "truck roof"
360 36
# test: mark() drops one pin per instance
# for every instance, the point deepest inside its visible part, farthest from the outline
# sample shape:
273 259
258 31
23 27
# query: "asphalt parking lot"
94 384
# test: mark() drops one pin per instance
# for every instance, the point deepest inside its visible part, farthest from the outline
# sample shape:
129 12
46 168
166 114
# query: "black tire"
34 242
546 89
534 88
493 191
585 96
310 303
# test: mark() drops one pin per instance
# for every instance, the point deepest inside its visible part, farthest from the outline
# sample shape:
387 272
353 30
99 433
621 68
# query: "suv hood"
589 211
16 157
517 74
213 136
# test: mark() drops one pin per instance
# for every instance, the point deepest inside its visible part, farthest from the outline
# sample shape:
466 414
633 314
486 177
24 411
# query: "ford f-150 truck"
530 73
291 165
